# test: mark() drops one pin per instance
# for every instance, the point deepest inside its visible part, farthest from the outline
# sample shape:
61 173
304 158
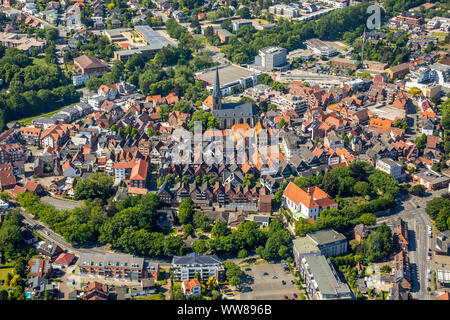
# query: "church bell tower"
217 93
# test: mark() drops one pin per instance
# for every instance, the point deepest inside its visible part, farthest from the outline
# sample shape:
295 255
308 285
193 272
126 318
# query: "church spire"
217 93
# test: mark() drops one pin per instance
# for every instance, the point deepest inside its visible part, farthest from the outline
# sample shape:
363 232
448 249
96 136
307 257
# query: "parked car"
283 282
285 297
295 296
274 277
265 274
248 269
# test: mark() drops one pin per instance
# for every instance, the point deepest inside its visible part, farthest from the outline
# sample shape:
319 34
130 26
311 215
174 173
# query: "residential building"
390 167
191 287
109 266
321 280
187 266
49 249
39 267
398 71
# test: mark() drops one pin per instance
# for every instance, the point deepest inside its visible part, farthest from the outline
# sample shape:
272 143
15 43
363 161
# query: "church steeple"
217 93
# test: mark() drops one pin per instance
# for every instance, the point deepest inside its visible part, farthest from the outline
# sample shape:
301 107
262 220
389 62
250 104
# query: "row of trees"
272 243
129 225
244 45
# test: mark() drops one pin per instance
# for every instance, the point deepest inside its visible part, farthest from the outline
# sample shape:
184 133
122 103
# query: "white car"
428 258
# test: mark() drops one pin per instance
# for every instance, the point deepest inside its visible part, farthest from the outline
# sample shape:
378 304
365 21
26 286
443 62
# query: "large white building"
290 102
186 267
321 280
390 167
307 202
271 58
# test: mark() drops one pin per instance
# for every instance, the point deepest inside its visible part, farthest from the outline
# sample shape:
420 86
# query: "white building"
191 287
290 102
390 167
308 202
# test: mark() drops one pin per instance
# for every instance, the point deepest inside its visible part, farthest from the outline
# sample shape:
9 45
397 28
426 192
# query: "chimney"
308 191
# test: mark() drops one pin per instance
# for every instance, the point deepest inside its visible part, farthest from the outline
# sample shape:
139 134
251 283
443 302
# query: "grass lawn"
351 201
440 35
27 121
39 60
4 270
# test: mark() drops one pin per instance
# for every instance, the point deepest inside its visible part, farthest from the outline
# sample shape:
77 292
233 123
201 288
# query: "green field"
27 121
440 35
4 270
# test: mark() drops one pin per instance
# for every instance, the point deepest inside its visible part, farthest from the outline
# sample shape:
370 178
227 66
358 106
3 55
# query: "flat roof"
326 279
388 112
305 245
227 74
431 177
443 275
322 237
152 37
319 44
389 161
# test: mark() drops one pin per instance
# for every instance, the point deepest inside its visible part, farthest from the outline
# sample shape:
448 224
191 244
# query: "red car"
285 297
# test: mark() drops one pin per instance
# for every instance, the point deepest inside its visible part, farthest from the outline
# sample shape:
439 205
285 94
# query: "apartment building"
291 102
322 282
109 266
187 266
390 167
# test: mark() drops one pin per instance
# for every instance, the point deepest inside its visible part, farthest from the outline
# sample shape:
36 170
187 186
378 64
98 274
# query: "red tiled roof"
139 171
64 258
311 197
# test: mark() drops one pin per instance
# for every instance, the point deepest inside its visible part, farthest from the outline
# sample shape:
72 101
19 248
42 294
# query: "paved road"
418 222
61 204
52 236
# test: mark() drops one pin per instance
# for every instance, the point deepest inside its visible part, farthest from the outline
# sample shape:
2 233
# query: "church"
231 113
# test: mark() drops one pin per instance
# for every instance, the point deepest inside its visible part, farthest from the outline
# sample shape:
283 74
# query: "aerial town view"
224 150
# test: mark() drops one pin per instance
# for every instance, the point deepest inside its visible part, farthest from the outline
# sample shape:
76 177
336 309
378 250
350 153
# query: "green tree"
186 211
220 229
242 253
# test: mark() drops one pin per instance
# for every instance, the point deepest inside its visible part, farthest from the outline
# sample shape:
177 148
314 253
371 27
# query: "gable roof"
311 197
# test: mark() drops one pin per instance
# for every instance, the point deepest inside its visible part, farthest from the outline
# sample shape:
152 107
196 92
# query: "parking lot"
264 287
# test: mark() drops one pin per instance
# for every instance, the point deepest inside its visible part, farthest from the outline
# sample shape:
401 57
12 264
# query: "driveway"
266 288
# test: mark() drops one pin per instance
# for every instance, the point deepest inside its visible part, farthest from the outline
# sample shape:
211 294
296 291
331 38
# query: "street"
419 242
52 236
